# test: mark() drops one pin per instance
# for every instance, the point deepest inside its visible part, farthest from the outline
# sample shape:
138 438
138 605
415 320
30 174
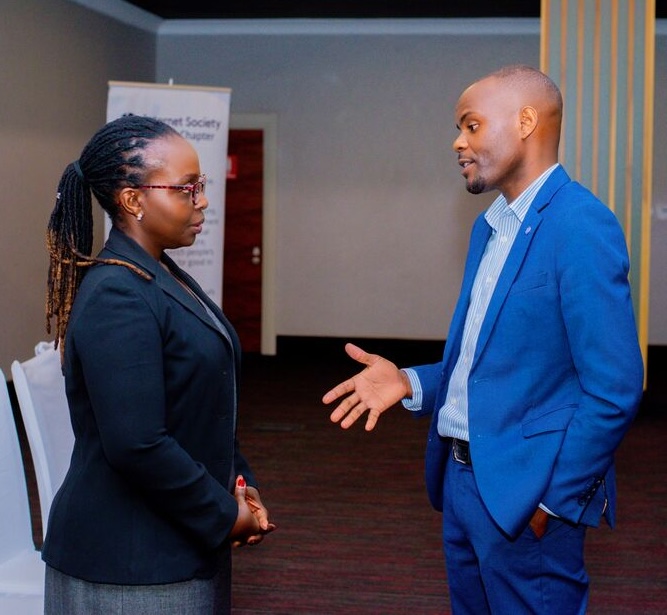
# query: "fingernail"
241 481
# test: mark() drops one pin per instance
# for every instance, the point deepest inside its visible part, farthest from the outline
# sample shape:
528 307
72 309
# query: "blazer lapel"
518 253
120 246
170 285
193 300
478 239
509 272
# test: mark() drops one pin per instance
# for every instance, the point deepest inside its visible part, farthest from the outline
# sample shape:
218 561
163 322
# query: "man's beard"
476 186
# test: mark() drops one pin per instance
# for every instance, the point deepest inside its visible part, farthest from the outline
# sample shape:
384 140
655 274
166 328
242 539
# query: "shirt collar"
519 206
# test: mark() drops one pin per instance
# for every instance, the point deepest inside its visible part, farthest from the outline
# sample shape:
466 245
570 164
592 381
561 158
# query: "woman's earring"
140 216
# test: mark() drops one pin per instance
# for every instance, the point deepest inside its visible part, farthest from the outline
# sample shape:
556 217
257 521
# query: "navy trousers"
490 573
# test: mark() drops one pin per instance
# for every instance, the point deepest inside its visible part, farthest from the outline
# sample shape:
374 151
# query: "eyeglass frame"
191 188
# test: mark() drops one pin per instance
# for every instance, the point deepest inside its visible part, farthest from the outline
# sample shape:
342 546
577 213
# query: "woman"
157 491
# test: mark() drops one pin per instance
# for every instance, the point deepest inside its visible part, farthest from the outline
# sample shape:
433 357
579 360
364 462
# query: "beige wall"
55 60
372 215
372 218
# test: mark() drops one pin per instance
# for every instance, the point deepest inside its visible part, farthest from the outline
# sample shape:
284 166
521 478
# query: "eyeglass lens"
197 189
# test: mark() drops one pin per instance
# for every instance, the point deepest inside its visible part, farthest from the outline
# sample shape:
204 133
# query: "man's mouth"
465 164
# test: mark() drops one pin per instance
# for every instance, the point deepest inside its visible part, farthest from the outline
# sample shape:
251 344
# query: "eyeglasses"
195 190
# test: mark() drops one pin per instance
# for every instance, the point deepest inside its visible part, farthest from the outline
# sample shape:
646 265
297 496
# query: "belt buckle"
464 459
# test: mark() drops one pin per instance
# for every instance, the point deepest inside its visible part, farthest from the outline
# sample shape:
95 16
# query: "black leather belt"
461 451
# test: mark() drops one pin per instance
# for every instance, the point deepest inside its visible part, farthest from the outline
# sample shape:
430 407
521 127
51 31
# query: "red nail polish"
241 481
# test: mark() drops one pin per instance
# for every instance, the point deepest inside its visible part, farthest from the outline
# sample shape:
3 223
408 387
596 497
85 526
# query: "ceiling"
303 9
345 9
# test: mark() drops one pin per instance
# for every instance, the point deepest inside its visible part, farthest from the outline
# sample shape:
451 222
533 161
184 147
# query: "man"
541 374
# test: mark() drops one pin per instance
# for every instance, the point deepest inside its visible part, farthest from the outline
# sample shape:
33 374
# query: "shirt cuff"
546 510
414 403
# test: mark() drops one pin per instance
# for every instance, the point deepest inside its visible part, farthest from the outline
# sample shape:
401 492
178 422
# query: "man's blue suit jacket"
152 384
557 374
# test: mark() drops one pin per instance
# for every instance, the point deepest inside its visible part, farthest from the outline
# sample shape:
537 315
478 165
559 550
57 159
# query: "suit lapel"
478 240
507 276
518 254
125 248
171 286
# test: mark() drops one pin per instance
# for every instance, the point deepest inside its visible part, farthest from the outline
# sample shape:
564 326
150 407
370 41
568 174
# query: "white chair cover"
40 390
21 568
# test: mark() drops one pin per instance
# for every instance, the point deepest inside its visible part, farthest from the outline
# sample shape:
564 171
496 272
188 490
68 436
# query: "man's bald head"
535 89
509 129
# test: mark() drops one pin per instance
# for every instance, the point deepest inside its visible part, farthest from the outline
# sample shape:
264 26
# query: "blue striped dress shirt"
505 220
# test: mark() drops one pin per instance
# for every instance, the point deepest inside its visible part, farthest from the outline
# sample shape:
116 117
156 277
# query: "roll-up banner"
201 115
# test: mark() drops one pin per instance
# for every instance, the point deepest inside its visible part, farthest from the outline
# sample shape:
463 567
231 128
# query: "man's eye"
473 127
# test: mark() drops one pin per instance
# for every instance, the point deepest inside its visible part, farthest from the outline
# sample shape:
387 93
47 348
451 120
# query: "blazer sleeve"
430 379
119 345
593 266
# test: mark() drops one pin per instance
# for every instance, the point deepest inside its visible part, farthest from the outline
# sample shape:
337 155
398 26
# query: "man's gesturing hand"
376 388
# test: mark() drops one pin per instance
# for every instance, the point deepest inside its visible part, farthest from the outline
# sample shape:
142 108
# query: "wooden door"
242 260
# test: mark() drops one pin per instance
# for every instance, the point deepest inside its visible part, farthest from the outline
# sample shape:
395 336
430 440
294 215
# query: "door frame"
268 123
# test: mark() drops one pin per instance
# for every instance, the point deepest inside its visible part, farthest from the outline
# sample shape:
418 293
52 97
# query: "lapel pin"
528 229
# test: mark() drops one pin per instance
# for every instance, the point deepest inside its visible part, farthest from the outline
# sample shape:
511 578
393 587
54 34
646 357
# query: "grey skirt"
66 595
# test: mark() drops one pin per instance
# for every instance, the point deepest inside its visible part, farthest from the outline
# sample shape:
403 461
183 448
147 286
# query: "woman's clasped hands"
252 522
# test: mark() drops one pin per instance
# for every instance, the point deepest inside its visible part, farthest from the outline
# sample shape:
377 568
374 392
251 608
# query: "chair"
21 568
40 390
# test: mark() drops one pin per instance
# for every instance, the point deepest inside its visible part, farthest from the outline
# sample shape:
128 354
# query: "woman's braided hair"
112 160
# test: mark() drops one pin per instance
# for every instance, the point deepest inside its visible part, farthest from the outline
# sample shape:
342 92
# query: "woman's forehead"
173 154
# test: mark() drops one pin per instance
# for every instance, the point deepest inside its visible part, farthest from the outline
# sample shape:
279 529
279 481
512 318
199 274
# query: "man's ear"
129 202
528 119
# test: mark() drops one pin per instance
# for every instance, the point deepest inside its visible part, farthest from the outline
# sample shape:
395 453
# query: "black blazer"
152 386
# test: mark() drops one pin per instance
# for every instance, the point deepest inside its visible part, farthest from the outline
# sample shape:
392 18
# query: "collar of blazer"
119 245
554 183
517 254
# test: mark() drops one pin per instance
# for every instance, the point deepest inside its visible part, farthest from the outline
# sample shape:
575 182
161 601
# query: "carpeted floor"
356 533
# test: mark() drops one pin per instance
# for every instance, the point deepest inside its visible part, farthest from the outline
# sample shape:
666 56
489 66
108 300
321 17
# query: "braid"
112 160
69 234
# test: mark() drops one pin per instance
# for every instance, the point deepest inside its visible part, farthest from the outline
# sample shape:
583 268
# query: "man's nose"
459 143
